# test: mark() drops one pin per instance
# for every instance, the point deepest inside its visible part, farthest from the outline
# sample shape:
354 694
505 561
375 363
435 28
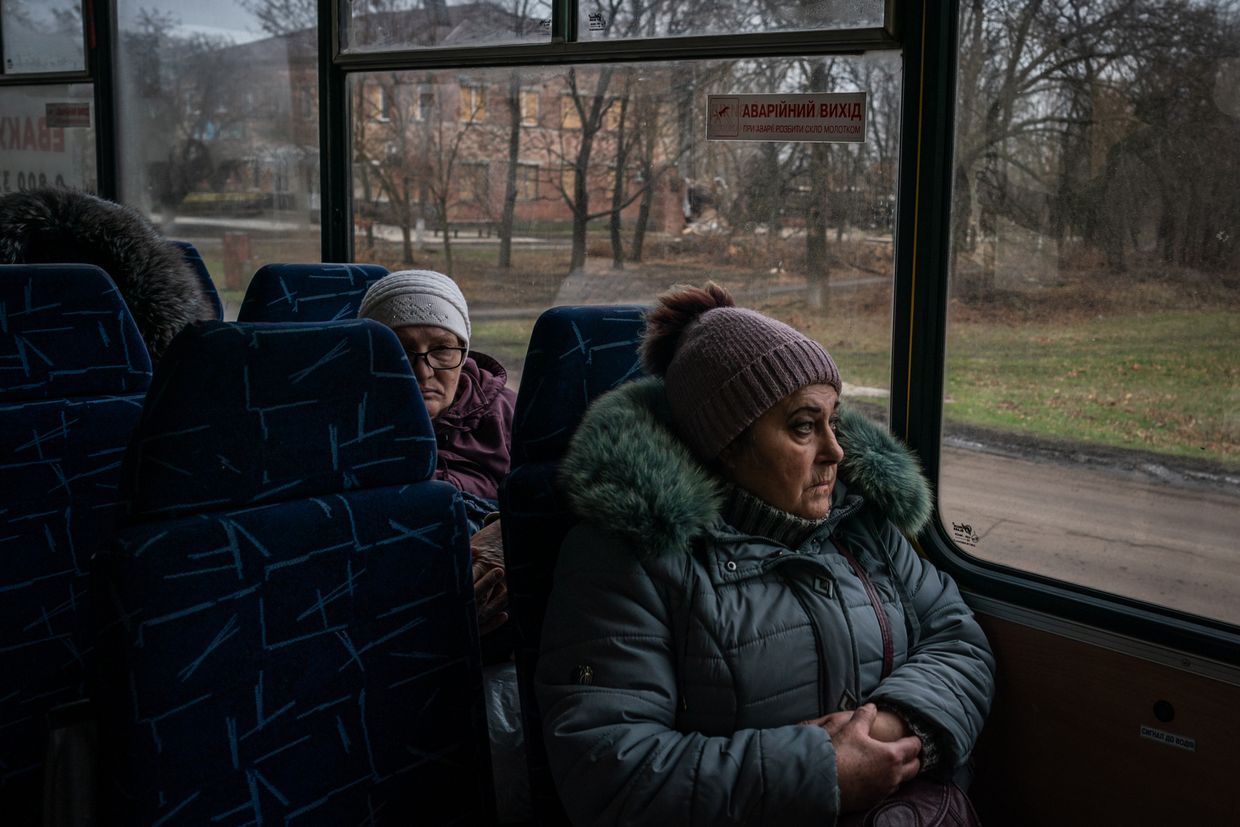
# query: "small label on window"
597 21
964 535
67 114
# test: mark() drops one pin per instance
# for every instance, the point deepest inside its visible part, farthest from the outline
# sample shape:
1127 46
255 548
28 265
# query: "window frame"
924 201
98 38
65 76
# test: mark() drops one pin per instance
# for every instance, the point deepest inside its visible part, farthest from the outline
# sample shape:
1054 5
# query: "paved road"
1171 545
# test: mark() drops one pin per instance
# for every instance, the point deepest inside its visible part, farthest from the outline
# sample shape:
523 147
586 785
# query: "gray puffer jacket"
679 655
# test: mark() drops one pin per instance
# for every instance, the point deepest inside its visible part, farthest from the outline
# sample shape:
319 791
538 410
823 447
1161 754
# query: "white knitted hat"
417 297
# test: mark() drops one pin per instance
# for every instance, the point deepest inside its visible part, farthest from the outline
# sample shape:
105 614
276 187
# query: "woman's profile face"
438 386
789 456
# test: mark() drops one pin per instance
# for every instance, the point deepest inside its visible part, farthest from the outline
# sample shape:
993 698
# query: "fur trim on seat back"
62 226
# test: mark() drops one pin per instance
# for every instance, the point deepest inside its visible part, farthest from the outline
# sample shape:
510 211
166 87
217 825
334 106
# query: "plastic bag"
512 783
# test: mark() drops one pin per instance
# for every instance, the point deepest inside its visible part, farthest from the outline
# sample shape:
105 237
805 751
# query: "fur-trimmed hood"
52 226
627 471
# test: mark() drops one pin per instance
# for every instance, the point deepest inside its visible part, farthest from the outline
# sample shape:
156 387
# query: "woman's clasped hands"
874 754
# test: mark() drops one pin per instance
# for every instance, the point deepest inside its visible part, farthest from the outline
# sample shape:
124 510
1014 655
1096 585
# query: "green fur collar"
627 471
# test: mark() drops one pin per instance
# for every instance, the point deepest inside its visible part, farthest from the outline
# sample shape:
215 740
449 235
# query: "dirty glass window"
376 25
47 137
230 167
1091 426
606 19
42 36
596 184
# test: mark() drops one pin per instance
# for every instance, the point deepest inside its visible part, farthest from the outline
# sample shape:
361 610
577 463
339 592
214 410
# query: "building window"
570 118
611 116
568 178
527 182
474 182
529 107
473 102
380 100
426 104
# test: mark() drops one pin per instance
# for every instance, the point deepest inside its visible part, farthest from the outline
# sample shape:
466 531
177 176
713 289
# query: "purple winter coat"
474 434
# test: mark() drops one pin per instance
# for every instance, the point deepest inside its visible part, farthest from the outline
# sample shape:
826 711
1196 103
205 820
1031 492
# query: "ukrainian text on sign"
837 117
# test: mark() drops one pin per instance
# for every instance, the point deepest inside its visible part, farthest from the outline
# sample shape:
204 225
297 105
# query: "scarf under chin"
746 513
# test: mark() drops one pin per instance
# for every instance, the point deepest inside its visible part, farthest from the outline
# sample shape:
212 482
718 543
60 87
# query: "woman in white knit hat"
468 401
465 393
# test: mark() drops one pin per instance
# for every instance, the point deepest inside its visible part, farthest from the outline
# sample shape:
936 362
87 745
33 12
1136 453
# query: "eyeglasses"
439 358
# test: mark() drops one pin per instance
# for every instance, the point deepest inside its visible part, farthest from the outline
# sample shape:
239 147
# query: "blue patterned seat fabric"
200 267
288 630
307 292
575 355
74 370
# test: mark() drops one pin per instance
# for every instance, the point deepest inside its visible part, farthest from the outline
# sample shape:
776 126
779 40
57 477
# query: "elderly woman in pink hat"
739 631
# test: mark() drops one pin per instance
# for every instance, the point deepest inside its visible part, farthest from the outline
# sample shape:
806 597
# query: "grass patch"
506 340
1165 382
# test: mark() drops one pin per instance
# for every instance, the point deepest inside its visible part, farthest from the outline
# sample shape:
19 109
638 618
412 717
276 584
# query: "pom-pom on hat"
724 366
417 297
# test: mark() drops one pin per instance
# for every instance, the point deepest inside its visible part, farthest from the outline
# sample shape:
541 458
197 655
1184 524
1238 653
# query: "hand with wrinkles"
872 755
490 585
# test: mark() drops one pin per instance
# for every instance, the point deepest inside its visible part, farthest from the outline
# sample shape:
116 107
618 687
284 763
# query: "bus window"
47 137
412 24
601 19
218 131
1090 426
42 36
527 207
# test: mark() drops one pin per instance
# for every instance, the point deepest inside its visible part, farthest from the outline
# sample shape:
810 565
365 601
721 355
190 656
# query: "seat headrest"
65 332
251 414
576 354
307 292
194 259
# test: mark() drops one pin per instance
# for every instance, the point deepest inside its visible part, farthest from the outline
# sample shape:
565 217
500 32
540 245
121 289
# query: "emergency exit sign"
835 117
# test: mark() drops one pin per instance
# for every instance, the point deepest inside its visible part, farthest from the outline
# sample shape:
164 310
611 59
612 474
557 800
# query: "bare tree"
192 106
573 144
1071 123
521 11
283 16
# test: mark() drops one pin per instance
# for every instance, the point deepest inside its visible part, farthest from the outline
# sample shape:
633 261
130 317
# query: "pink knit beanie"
725 366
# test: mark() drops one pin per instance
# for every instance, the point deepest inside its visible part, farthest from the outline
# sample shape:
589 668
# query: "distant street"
1173 546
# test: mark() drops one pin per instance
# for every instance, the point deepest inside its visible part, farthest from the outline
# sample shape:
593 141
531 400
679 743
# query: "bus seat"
74 370
575 355
307 292
287 626
200 267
